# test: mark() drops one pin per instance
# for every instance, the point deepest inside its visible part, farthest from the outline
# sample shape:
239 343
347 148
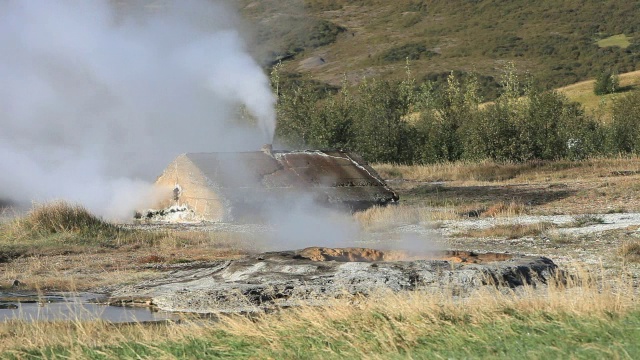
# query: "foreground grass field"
588 318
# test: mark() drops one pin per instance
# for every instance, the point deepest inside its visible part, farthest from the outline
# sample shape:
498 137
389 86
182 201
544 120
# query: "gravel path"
609 222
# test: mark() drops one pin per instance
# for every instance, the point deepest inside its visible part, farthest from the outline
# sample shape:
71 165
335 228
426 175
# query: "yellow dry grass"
580 296
63 247
454 171
582 93
630 251
386 217
511 231
619 40
470 173
408 313
505 209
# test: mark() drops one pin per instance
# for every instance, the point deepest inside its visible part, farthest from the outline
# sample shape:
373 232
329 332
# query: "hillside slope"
556 41
582 92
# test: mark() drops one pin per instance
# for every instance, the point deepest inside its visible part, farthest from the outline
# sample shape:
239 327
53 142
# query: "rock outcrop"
265 281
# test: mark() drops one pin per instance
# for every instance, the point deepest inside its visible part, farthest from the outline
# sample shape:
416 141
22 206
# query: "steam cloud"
95 100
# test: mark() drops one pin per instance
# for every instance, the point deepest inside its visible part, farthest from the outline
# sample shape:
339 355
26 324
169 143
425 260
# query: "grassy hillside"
558 42
582 92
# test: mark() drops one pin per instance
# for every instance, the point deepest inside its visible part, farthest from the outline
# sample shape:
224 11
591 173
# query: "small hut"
229 186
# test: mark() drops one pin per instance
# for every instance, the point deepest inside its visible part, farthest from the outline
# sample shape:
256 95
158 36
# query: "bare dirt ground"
581 220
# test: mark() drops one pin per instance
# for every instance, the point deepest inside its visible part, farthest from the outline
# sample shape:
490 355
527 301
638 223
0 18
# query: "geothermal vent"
372 255
266 281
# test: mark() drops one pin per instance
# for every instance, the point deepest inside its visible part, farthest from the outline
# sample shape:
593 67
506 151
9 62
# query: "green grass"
620 40
512 334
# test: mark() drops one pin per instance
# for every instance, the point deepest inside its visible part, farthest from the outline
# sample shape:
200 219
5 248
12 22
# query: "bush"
625 124
399 122
607 82
322 33
381 132
412 51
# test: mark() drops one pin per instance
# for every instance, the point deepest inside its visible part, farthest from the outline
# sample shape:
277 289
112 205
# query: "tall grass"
59 218
630 251
491 171
97 252
585 316
385 217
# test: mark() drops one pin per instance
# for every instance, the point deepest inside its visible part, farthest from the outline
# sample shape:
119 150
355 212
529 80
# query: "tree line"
412 123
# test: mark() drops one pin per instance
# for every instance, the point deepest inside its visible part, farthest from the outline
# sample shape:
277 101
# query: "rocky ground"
576 243
314 275
582 226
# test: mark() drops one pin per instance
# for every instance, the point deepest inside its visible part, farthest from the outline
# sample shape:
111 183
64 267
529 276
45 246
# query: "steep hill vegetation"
408 122
559 42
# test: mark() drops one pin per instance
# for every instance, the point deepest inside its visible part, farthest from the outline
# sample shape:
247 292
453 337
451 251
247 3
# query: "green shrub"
411 51
400 122
380 131
625 124
322 33
607 82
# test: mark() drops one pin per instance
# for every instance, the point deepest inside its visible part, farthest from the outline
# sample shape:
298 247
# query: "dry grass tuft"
442 214
586 220
560 238
381 218
64 247
385 217
509 231
505 209
62 224
630 251
151 259
61 217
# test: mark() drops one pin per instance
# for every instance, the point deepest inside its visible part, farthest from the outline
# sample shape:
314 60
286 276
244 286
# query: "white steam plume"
96 100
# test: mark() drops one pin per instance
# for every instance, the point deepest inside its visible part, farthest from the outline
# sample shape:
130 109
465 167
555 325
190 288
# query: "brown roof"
330 175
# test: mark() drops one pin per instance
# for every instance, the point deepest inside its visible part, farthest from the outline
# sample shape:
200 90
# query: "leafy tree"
607 82
402 122
625 124
380 129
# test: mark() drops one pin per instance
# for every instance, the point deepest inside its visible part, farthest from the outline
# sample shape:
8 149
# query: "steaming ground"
591 245
96 100
308 229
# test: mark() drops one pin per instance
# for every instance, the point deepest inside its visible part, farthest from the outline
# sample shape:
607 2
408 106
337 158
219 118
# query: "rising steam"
96 99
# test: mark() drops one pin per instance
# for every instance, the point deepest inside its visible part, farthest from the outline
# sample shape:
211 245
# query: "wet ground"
29 306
